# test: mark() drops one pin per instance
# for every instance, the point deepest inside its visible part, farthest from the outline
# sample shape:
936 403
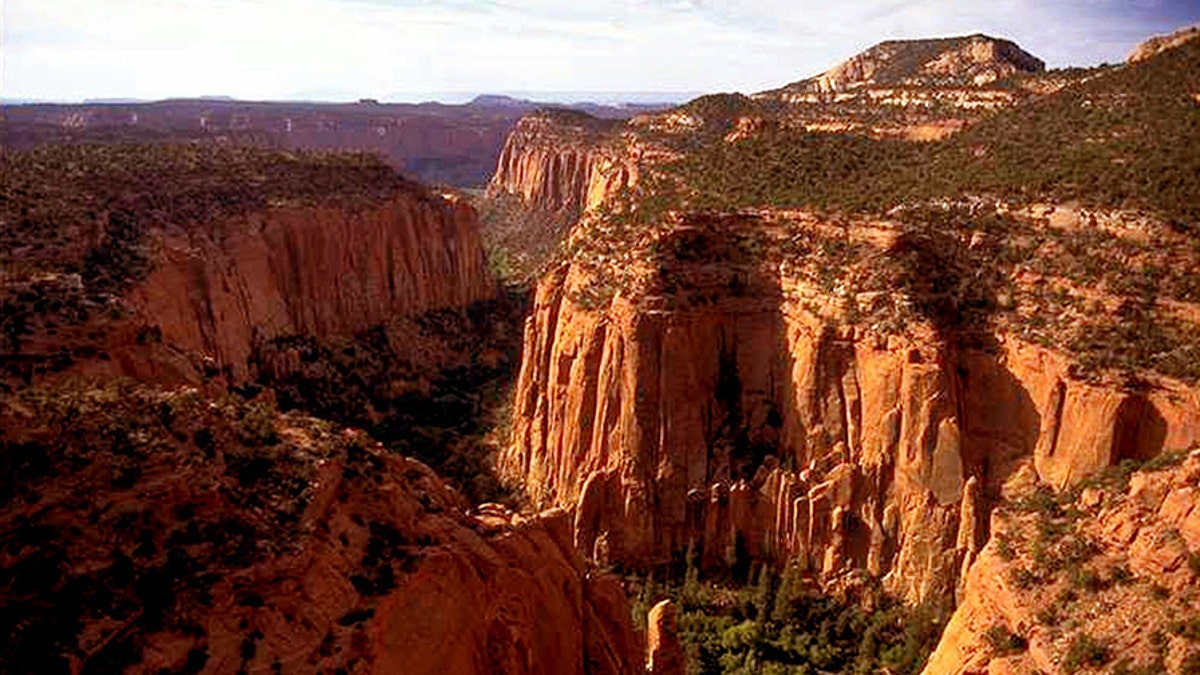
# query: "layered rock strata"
1161 43
554 162
216 292
749 426
976 60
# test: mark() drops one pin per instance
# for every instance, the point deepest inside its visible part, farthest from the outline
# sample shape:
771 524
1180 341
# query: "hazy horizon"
404 50
402 98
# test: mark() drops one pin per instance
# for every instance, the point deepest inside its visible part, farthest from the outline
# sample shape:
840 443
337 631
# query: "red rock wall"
557 175
633 414
318 271
521 601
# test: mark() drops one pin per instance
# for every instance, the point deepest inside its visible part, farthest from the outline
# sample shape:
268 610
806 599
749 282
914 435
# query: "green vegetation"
436 389
85 207
717 114
1103 289
1122 139
1116 477
1045 537
124 505
788 169
519 242
1085 651
1003 641
782 624
968 270
580 121
901 61
1057 548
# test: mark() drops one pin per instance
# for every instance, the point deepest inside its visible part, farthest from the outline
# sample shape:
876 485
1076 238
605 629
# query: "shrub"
1048 616
1004 547
1003 641
777 625
1085 651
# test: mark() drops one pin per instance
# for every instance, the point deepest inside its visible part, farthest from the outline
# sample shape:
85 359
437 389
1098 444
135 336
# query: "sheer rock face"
751 429
555 165
1147 530
523 602
319 271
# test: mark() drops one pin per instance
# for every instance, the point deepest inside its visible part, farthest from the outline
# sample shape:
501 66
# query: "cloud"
72 49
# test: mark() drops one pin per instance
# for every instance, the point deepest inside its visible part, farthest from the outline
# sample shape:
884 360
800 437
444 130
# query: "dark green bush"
1003 641
1083 651
781 624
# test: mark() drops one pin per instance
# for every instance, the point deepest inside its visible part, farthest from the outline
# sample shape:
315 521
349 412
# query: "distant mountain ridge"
435 142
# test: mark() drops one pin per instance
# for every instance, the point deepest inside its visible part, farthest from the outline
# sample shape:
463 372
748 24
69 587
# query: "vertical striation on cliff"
719 408
561 161
320 271
169 261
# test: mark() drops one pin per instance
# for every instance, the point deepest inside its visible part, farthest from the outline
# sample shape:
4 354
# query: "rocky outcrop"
752 428
975 60
1161 43
664 655
160 530
915 90
318 271
558 161
1107 568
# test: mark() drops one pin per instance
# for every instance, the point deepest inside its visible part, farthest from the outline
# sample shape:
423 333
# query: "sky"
404 50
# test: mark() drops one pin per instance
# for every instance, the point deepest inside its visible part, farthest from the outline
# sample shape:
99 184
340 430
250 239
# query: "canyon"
780 364
697 394
203 296
220 534
319 272
331 554
746 424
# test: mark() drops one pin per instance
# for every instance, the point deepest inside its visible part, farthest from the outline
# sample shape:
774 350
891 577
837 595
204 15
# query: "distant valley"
445 144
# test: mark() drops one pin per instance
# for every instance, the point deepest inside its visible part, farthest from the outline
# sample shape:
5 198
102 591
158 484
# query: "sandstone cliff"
314 271
213 251
562 162
713 400
1100 579
159 530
